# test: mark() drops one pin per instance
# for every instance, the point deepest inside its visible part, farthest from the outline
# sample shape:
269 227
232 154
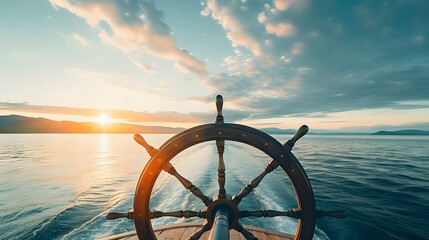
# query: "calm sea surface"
60 186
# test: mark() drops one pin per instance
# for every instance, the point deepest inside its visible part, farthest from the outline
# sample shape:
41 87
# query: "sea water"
60 186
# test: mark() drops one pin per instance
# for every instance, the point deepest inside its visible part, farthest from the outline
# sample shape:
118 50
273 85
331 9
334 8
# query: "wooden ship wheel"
222 213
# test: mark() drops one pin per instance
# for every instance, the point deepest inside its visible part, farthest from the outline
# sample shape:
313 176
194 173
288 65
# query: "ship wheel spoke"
169 168
221 176
255 182
187 184
178 214
197 234
293 213
220 145
248 235
270 167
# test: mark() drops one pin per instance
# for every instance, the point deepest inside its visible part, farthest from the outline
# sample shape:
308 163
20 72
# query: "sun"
103 119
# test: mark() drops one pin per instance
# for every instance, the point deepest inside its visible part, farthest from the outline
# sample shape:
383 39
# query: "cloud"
262 18
297 48
83 41
282 29
282 4
419 39
226 14
119 80
377 89
93 75
133 26
205 12
145 67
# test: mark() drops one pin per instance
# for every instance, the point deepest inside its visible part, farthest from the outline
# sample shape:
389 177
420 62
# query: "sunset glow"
103 119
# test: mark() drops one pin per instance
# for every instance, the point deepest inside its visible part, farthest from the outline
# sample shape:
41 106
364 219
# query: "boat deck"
184 230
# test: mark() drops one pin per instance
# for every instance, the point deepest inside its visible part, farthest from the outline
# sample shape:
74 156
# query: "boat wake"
86 208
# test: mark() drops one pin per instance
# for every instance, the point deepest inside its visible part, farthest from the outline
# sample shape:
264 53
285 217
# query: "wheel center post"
220 228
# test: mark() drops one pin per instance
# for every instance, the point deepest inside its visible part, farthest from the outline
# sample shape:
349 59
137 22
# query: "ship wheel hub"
225 205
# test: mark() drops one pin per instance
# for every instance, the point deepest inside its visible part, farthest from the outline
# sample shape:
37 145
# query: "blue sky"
349 65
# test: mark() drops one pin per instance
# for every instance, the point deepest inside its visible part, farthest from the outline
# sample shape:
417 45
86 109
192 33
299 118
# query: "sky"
333 65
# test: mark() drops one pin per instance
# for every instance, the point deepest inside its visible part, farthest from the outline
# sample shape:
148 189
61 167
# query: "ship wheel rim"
229 132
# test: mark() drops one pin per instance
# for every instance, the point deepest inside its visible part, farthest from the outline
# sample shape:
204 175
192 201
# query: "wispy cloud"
230 16
83 41
145 67
123 81
133 26
100 76
282 29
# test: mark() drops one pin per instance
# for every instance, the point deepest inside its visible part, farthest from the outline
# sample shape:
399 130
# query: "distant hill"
22 124
277 131
402 132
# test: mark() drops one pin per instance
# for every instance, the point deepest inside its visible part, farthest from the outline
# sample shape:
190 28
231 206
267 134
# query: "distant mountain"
277 131
22 124
402 132
315 132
